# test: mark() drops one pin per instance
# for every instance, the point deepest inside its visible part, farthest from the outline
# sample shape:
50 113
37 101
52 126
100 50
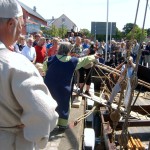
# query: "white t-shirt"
29 52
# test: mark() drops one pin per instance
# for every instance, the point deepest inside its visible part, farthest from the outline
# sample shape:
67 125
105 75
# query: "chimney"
34 8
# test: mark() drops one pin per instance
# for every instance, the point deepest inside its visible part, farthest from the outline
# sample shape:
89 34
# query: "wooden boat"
115 132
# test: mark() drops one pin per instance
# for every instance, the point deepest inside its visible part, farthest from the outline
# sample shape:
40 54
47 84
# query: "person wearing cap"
27 110
59 75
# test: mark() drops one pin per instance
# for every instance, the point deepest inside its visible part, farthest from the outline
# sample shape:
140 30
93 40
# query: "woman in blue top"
59 75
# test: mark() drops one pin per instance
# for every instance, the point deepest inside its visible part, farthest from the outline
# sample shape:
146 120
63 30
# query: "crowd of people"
33 103
116 50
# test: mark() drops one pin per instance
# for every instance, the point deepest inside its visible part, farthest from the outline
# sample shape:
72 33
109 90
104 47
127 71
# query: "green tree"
51 32
62 31
85 32
148 32
119 35
127 28
46 31
54 32
137 34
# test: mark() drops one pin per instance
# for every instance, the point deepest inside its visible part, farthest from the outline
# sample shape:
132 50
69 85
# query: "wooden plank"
133 123
77 102
114 106
106 129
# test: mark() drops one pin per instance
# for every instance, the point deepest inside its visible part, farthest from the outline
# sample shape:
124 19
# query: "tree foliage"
85 32
119 35
127 33
127 28
148 32
53 31
62 31
45 31
137 34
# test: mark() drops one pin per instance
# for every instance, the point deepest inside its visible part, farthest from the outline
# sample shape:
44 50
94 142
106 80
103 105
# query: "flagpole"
106 48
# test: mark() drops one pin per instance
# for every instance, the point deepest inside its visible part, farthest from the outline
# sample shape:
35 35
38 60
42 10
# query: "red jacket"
40 53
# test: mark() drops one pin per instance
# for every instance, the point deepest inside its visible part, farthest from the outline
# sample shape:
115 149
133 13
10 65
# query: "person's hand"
97 55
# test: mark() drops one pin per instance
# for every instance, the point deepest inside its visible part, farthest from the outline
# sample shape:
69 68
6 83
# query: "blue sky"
83 12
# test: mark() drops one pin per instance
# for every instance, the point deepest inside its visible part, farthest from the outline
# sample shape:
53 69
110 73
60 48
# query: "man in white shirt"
27 110
29 51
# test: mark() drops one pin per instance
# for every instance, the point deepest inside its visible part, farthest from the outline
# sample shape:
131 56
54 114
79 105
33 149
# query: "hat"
10 9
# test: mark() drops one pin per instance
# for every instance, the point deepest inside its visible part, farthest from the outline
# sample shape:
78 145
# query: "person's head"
86 41
78 40
47 41
11 21
29 42
113 56
122 44
37 37
21 40
130 60
40 32
55 41
128 45
113 42
72 34
92 44
42 41
66 40
64 48
135 41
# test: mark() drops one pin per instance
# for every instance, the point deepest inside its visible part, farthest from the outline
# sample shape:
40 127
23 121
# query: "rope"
140 82
148 114
125 126
106 77
103 81
75 123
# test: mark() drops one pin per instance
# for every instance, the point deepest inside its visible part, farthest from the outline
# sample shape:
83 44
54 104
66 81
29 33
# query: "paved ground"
71 139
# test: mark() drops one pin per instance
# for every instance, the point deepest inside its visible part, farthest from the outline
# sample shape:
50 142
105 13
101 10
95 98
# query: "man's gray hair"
64 48
3 20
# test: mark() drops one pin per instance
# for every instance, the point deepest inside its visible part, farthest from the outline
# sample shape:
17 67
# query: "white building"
62 21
